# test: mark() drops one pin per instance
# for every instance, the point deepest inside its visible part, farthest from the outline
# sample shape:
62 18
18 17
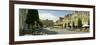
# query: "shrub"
79 23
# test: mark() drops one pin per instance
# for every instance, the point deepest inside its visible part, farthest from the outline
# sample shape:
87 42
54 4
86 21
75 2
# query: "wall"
4 23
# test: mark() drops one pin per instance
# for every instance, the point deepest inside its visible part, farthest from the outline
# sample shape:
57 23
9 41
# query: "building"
69 19
47 23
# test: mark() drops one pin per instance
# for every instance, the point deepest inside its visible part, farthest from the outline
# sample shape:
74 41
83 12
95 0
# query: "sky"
52 14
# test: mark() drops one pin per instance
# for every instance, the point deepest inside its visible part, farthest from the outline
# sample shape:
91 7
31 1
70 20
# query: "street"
60 31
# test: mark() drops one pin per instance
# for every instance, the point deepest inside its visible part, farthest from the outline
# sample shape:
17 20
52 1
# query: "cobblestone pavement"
49 31
61 31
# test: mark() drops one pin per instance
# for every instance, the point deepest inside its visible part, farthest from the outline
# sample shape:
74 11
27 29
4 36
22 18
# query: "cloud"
48 16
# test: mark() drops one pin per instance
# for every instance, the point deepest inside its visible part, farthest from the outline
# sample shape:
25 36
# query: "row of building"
63 22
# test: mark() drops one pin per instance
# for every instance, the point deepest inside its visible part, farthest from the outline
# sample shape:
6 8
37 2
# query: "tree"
88 22
40 24
73 24
69 25
79 23
65 25
32 17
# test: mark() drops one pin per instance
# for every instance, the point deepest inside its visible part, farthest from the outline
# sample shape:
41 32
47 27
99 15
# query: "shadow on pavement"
46 31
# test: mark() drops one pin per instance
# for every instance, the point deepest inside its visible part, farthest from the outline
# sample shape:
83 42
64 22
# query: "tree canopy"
79 23
32 16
